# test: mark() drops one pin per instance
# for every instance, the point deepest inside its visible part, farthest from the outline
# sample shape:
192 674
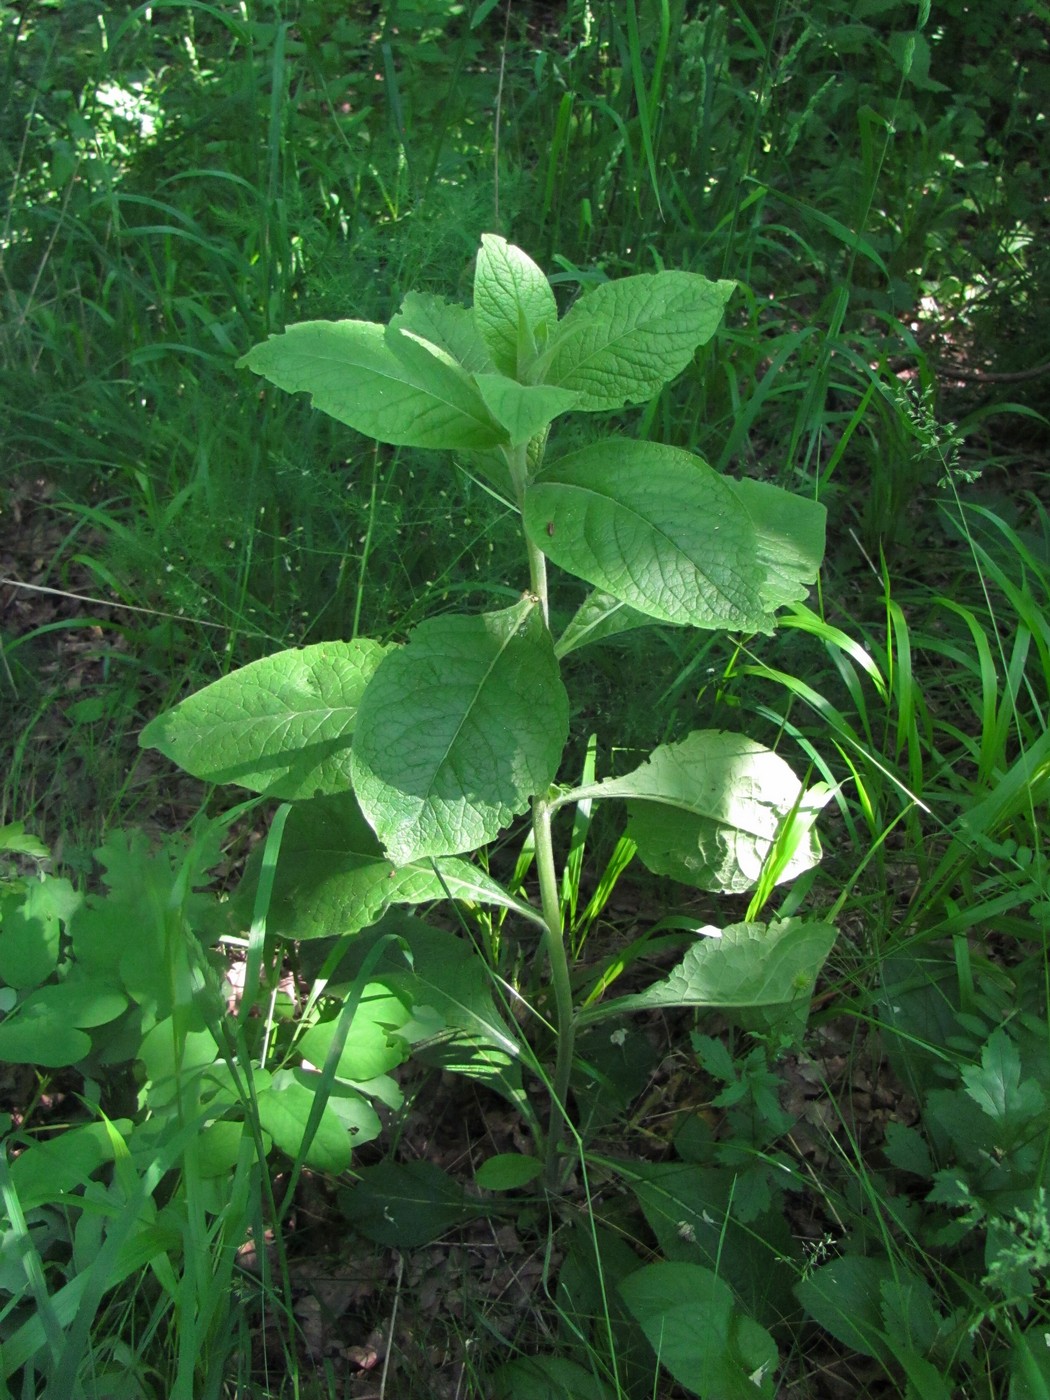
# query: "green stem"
518 462
565 1021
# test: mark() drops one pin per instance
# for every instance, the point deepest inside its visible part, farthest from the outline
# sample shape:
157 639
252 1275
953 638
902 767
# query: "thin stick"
106 603
390 1334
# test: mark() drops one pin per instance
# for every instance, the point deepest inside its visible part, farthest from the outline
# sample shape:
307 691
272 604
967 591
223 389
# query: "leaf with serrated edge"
458 730
747 965
623 341
706 810
511 294
280 726
654 526
333 878
386 383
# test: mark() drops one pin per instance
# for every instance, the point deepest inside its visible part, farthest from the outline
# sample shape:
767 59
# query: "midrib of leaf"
652 525
603 347
410 383
470 708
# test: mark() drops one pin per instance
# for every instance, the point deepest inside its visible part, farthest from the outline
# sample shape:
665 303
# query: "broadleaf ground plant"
402 760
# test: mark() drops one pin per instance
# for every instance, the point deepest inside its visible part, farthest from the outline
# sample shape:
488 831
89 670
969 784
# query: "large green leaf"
388 383
333 878
623 341
845 1298
458 730
707 810
280 726
446 326
744 965
790 533
514 306
655 527
699 1334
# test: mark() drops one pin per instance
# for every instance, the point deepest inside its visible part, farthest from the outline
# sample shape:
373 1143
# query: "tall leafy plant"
401 760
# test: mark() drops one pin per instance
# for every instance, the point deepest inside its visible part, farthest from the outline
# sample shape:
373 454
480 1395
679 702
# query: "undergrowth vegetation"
307 1093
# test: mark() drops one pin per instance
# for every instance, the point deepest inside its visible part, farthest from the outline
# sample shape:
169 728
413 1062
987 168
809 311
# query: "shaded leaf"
333 878
699 1334
405 1205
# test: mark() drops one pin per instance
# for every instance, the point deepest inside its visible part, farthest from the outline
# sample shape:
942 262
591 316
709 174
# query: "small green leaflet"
458 730
280 726
514 307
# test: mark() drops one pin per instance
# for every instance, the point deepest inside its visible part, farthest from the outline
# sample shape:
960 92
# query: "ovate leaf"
746 965
706 810
30 927
281 726
845 1298
514 306
699 1334
458 730
655 527
405 1205
285 1106
372 1045
333 878
623 341
390 384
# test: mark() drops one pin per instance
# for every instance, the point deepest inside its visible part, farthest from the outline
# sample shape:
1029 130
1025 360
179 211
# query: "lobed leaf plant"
401 762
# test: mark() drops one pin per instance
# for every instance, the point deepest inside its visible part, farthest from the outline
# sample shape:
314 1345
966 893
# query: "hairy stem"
565 1021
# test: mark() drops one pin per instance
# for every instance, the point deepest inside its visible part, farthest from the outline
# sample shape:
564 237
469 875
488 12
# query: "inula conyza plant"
401 760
